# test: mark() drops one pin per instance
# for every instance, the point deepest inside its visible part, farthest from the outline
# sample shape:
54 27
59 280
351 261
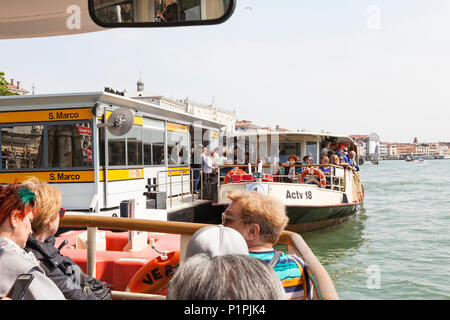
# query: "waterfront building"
197 109
361 144
16 88
383 152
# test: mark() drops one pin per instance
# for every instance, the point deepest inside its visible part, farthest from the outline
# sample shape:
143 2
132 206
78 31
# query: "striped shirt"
290 270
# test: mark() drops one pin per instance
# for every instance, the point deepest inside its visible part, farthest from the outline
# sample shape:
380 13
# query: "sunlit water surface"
398 245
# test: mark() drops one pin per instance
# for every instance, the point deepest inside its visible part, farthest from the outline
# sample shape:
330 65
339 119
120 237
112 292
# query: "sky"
346 67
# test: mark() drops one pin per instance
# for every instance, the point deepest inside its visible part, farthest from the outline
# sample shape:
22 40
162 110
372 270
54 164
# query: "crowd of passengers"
232 261
330 154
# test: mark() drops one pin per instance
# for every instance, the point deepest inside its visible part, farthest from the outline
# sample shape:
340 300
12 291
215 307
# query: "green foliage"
4 86
111 90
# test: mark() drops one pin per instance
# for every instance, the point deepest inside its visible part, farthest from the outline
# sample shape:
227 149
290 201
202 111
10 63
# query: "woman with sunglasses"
65 273
17 211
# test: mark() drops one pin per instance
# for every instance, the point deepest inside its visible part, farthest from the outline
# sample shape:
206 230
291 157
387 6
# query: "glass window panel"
22 147
157 147
147 145
288 148
177 147
116 150
70 145
311 150
134 146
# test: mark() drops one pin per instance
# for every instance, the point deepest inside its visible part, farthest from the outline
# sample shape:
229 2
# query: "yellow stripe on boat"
46 115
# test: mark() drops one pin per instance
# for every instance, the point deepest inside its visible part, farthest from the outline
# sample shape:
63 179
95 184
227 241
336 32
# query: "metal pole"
91 250
170 188
182 173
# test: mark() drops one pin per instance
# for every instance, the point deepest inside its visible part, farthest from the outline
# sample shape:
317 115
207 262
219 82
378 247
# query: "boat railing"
322 283
175 180
334 181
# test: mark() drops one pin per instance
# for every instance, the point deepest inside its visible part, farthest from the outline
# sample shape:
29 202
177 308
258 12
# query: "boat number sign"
299 195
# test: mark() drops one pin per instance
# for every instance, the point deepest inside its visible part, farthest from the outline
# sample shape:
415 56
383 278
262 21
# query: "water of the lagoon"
398 245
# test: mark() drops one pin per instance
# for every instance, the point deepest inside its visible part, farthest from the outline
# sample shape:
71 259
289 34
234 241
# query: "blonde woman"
65 273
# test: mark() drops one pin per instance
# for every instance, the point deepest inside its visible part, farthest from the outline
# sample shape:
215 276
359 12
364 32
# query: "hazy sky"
348 67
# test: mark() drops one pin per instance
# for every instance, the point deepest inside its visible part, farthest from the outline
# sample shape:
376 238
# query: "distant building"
361 144
248 126
16 88
207 111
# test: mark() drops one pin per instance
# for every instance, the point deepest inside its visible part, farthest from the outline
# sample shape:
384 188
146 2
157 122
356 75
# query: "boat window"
311 150
116 150
22 147
153 142
177 147
134 146
69 145
288 148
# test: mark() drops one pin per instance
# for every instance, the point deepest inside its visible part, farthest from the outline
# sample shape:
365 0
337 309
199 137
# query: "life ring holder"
230 173
154 276
313 171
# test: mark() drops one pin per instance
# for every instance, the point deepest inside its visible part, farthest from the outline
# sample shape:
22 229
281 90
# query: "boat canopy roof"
291 136
83 99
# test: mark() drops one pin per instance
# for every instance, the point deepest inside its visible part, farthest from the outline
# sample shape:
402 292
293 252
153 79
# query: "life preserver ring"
231 173
314 171
154 276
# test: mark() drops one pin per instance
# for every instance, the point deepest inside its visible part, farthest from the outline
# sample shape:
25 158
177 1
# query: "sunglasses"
62 212
227 219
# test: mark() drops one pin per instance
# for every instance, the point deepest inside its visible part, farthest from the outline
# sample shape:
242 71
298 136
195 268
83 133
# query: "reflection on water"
332 245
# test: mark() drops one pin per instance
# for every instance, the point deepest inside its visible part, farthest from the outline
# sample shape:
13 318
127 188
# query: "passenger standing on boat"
307 160
196 163
292 161
325 148
327 170
17 210
352 158
261 219
63 271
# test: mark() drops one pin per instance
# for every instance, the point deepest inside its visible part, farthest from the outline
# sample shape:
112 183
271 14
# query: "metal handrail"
322 282
179 172
340 185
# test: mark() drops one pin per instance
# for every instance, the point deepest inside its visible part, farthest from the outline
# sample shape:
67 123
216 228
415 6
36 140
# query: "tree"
4 91
111 90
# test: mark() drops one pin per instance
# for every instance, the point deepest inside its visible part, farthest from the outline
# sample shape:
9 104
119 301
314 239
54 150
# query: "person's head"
216 241
324 159
48 199
171 12
341 160
212 153
17 209
293 158
334 159
307 159
352 154
259 218
228 277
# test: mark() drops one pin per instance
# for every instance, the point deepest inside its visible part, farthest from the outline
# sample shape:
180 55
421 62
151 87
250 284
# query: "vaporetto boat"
313 200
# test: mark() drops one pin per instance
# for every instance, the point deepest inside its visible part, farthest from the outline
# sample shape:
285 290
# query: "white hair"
228 277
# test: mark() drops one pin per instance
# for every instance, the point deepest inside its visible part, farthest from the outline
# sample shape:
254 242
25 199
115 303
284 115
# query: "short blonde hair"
268 212
48 200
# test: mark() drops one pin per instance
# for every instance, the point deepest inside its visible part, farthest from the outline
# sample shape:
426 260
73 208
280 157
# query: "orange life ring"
231 173
154 276
314 171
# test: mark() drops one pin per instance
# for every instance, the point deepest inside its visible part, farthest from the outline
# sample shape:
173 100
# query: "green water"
398 245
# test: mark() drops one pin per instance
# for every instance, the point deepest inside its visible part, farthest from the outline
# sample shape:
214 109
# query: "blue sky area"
349 67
